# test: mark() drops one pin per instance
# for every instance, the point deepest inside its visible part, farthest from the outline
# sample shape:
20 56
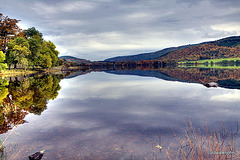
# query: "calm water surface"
108 116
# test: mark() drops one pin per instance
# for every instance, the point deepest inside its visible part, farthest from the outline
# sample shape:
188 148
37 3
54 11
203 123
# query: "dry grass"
3 151
17 72
208 146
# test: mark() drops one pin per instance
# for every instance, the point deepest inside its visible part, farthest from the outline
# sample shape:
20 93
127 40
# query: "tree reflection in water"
20 97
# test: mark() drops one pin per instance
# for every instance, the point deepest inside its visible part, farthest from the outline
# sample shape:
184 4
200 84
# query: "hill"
74 59
228 42
146 56
223 48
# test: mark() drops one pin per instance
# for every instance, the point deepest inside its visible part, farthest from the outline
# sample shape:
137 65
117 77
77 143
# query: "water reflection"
227 78
18 98
132 112
109 116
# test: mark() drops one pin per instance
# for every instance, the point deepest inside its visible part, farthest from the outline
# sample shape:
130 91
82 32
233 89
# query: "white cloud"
120 43
62 7
233 28
231 96
77 6
70 22
97 30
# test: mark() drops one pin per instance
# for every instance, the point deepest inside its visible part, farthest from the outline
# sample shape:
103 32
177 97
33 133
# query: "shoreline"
22 72
17 72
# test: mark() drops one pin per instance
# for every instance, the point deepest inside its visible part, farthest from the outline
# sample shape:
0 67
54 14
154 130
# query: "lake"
113 114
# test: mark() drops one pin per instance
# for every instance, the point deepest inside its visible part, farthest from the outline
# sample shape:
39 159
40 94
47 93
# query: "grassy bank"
224 63
210 60
209 66
16 72
21 72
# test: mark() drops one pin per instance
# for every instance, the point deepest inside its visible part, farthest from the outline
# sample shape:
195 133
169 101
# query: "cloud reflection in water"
95 112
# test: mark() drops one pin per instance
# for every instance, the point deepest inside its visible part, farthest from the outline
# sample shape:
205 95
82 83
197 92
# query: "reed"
204 145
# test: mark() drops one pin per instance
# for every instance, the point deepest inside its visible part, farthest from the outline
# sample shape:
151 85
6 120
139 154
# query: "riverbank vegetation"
24 49
212 63
204 143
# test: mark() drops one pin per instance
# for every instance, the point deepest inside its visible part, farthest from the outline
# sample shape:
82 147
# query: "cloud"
101 29
231 96
64 7
226 4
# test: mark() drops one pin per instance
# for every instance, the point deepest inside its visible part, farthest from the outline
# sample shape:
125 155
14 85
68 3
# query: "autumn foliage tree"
8 31
27 48
204 51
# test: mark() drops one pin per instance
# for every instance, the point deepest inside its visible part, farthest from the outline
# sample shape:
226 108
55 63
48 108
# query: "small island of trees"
25 49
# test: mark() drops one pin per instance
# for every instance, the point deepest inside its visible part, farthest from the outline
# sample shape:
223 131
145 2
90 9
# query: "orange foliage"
8 30
204 51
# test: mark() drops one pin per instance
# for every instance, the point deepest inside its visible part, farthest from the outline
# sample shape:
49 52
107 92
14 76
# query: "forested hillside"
146 56
74 59
205 51
224 48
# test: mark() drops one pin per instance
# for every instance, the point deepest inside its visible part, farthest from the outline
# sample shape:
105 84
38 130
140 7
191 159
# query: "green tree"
31 32
50 47
3 65
45 61
35 48
24 62
18 51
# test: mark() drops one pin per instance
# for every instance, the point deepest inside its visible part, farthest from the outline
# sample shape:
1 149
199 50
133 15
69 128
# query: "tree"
35 48
26 48
3 65
8 30
50 48
18 50
30 32
24 62
45 61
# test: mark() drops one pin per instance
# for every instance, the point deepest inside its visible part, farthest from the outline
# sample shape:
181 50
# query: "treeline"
219 62
24 48
132 65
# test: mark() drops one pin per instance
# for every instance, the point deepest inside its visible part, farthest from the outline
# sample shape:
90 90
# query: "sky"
101 29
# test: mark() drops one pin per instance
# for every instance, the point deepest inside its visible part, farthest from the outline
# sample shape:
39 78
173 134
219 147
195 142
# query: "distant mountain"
228 42
146 56
224 48
74 59
206 50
